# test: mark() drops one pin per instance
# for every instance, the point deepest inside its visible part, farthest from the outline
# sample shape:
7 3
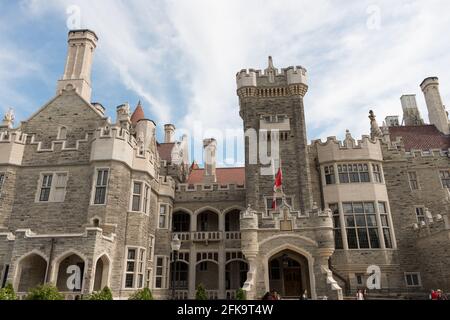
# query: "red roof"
194 166
165 151
224 176
138 114
424 137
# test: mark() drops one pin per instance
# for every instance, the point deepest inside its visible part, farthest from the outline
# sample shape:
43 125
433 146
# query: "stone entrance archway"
289 274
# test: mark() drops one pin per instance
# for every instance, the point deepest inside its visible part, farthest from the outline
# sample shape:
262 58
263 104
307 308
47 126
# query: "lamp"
175 246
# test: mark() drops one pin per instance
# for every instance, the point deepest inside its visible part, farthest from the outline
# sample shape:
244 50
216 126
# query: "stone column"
192 275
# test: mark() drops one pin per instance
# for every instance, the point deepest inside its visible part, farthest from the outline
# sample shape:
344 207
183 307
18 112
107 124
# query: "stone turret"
436 109
411 113
77 73
169 133
210 147
272 82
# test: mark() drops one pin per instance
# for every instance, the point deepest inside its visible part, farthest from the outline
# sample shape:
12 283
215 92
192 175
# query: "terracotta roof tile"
224 176
165 151
138 114
424 137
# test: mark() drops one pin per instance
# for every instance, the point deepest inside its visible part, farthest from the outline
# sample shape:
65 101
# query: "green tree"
105 294
7 293
241 295
45 292
201 293
144 294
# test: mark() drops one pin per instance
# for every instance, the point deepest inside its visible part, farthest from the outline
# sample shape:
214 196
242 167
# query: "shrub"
144 294
201 293
105 294
241 295
44 292
7 293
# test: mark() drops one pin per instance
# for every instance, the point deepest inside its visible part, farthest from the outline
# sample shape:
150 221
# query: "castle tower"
271 104
77 73
411 113
210 148
169 133
436 110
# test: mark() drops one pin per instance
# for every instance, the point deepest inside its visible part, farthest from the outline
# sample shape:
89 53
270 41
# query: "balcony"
207 236
233 235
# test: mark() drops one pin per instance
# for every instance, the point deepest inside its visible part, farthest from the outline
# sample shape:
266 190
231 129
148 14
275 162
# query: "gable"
67 110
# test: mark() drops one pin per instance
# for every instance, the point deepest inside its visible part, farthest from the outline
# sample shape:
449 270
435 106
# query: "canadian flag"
277 188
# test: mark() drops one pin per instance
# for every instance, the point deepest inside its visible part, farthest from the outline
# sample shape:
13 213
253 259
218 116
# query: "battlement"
348 150
12 146
117 143
272 81
287 76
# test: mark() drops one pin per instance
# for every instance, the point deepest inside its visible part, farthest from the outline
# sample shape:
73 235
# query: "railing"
233 235
212 294
207 236
231 294
181 294
183 236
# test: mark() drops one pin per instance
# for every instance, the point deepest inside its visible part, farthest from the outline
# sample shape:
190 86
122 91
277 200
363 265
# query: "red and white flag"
277 188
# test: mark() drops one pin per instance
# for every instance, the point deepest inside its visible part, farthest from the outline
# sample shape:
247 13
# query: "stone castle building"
86 202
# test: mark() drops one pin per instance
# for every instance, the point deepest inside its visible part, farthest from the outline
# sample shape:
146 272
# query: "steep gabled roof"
138 114
424 137
224 176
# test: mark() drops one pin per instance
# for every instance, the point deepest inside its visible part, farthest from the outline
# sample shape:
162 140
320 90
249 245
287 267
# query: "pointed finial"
375 130
8 120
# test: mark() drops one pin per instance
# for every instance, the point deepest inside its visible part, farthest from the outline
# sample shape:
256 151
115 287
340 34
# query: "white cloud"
192 50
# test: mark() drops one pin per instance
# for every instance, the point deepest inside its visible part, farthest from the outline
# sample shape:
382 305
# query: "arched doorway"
70 274
101 273
289 274
32 270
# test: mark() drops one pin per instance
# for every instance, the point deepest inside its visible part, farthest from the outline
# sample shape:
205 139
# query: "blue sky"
180 57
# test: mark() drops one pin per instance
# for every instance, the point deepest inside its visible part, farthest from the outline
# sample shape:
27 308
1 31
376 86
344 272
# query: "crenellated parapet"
348 150
12 146
117 143
272 82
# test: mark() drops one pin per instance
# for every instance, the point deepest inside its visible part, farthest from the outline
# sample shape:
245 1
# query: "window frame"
411 274
2 180
416 180
329 175
444 175
356 228
95 186
377 173
165 272
144 197
422 215
168 213
346 173
52 187
139 268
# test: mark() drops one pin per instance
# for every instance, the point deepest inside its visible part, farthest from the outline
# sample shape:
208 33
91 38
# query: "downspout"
47 272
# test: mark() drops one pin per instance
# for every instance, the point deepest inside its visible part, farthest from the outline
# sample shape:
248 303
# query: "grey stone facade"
107 199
